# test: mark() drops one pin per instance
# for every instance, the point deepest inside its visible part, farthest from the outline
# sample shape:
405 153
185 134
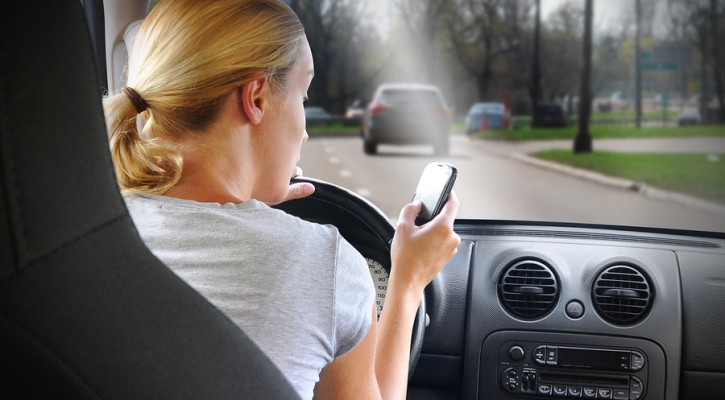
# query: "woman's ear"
254 99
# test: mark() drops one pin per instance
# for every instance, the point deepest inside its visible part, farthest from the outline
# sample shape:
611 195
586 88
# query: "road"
492 185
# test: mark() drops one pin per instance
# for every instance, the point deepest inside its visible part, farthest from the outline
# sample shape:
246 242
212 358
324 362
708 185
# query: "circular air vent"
528 289
622 294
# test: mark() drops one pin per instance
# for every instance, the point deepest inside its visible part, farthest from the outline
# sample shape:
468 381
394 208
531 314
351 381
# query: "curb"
626 184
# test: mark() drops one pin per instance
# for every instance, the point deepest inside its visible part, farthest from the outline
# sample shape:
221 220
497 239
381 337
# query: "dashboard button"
604 393
636 361
620 394
516 353
574 309
635 389
589 393
551 355
509 380
558 390
544 389
574 391
540 355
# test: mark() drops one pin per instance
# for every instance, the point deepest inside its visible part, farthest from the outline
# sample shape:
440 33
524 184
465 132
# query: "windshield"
611 112
613 109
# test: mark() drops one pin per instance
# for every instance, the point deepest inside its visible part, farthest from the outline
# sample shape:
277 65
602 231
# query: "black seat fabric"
86 311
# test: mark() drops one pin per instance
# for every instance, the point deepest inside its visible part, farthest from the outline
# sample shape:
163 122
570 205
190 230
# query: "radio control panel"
533 365
561 371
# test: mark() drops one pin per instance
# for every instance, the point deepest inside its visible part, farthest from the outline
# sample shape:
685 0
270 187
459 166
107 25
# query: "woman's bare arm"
378 366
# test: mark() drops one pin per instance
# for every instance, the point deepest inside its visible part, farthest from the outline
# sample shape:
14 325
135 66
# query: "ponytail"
141 165
185 61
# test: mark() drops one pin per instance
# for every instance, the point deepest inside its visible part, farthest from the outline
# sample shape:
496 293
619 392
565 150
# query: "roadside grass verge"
334 129
696 174
604 132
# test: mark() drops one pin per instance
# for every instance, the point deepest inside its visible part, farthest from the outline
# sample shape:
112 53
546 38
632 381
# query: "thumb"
409 213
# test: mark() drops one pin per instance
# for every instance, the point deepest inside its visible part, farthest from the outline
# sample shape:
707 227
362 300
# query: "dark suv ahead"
402 113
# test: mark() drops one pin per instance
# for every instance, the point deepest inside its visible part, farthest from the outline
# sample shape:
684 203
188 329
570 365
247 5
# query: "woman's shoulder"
251 217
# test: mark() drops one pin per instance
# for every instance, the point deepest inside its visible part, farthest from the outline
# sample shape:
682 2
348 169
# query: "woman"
219 87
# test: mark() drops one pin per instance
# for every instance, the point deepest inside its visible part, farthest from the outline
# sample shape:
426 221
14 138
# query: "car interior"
524 310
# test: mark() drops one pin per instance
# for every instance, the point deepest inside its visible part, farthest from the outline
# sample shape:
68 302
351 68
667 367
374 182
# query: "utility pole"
583 140
638 65
714 16
536 67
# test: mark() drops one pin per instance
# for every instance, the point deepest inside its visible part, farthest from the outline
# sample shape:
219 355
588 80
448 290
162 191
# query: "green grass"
700 175
657 114
602 132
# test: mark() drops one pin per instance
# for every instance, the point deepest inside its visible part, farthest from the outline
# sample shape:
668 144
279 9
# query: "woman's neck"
217 169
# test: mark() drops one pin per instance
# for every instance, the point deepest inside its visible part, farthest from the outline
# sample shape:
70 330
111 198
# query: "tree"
700 23
345 48
561 51
483 32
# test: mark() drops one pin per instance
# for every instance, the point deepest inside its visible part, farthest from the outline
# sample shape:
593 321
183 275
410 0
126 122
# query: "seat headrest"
55 148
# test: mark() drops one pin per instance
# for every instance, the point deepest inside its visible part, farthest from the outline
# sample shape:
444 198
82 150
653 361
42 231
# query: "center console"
534 365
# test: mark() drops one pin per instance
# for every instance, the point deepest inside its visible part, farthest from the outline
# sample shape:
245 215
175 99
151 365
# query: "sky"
604 10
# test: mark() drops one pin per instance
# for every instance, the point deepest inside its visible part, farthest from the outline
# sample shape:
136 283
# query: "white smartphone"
433 189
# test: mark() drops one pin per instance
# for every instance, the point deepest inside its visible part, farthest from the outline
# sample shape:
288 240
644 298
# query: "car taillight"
376 109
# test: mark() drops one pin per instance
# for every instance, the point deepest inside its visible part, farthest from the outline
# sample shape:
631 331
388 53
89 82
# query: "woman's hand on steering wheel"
296 190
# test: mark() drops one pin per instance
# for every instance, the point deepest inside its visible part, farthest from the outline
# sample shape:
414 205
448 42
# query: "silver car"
407 113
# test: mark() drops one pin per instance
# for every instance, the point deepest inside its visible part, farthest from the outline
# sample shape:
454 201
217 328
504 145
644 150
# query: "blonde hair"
186 58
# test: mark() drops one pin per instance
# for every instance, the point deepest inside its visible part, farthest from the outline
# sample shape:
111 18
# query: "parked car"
317 116
550 115
483 116
689 116
407 113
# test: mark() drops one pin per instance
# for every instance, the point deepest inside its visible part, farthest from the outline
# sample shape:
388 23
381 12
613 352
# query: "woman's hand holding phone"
420 251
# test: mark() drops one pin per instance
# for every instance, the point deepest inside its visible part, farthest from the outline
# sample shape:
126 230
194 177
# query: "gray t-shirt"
299 290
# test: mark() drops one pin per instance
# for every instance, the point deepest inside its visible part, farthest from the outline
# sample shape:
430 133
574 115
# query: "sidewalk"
706 145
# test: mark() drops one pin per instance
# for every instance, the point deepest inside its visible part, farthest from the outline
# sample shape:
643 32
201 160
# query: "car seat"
86 311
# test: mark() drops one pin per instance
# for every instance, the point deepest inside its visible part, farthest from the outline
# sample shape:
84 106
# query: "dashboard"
531 311
528 310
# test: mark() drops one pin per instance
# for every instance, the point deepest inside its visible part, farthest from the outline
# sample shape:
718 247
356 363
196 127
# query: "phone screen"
433 188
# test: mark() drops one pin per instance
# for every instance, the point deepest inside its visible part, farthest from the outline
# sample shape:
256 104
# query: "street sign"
653 66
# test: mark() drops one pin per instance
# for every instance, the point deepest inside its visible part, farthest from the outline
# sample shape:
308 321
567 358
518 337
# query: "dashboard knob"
516 353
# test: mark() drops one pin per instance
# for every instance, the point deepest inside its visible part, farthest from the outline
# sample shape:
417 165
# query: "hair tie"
138 102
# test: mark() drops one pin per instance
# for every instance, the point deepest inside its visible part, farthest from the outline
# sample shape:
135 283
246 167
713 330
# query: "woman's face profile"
284 128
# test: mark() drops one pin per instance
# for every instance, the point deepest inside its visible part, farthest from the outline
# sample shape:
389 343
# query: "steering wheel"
367 229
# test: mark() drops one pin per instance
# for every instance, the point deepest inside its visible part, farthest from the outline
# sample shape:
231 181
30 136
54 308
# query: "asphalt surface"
498 180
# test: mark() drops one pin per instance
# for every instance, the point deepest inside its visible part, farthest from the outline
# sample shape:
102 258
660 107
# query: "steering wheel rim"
364 226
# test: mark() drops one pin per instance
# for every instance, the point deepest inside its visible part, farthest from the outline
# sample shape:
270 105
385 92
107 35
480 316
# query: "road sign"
653 66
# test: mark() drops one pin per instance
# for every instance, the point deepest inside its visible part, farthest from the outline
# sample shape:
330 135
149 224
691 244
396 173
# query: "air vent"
528 289
622 294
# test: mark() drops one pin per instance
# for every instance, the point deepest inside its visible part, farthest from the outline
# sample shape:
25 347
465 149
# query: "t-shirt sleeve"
354 298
